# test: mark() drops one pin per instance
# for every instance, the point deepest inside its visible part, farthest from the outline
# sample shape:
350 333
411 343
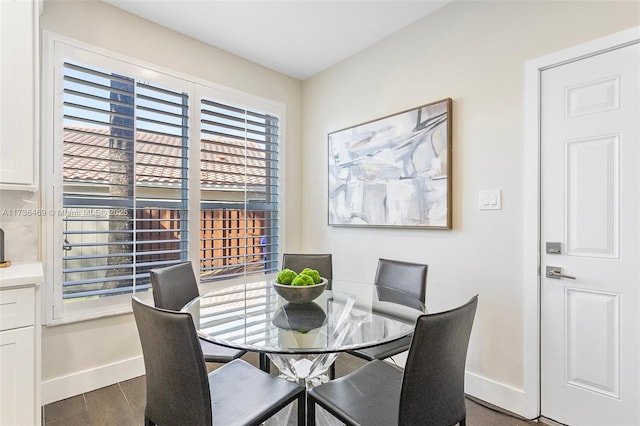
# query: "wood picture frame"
394 171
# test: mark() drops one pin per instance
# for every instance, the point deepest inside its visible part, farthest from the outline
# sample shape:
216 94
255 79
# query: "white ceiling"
298 38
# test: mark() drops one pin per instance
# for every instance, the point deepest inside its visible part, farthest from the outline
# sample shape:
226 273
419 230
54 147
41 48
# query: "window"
127 140
239 191
124 181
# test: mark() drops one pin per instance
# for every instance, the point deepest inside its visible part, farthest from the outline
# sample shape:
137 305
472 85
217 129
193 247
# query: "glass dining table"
303 340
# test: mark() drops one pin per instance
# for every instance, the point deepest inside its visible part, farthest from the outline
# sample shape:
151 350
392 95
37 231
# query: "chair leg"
265 363
302 408
332 371
311 412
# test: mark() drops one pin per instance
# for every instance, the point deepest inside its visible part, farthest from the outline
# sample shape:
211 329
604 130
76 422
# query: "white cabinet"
20 344
18 94
17 352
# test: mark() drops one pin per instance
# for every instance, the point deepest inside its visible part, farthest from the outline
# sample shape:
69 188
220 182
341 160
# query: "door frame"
532 245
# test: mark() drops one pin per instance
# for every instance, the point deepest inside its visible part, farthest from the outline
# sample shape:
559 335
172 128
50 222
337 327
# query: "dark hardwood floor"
122 404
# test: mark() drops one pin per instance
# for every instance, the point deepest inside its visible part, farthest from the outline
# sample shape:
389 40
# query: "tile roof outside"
158 158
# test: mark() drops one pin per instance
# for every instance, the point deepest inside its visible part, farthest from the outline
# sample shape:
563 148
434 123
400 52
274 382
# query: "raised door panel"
593 341
592 196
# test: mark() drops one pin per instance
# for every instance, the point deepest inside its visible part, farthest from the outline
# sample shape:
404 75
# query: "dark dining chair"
409 278
180 392
298 261
430 390
173 287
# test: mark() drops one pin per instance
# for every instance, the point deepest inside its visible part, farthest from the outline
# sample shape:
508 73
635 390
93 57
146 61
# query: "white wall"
86 355
474 53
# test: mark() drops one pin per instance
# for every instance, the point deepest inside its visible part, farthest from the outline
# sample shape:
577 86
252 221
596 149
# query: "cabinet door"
17 387
17 308
17 92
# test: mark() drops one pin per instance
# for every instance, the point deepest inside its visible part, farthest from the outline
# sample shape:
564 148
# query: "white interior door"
590 157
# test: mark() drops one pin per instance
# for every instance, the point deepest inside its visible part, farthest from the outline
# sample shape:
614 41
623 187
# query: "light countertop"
21 274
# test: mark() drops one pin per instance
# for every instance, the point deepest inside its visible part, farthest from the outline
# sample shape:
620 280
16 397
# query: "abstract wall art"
394 171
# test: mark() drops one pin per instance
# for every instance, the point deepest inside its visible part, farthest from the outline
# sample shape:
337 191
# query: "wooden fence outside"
229 238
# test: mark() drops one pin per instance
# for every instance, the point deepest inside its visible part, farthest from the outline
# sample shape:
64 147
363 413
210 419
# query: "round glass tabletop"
347 315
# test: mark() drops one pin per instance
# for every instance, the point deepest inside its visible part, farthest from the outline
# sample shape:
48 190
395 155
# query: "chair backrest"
433 383
410 278
176 375
298 261
173 286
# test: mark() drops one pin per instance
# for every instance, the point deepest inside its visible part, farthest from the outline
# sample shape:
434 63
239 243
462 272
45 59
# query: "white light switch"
490 199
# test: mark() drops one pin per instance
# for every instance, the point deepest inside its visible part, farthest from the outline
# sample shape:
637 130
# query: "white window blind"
126 190
239 223
125 181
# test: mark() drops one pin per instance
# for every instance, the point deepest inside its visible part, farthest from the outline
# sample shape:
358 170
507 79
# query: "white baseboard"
87 380
491 391
499 394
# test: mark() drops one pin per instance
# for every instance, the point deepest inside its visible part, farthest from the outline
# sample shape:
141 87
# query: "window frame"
55 49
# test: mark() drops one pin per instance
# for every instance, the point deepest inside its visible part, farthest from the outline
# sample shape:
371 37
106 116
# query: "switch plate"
490 199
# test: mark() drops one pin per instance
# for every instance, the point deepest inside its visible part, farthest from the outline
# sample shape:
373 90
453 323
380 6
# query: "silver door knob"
555 272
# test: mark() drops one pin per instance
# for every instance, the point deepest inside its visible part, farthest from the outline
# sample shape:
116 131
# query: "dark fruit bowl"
300 294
